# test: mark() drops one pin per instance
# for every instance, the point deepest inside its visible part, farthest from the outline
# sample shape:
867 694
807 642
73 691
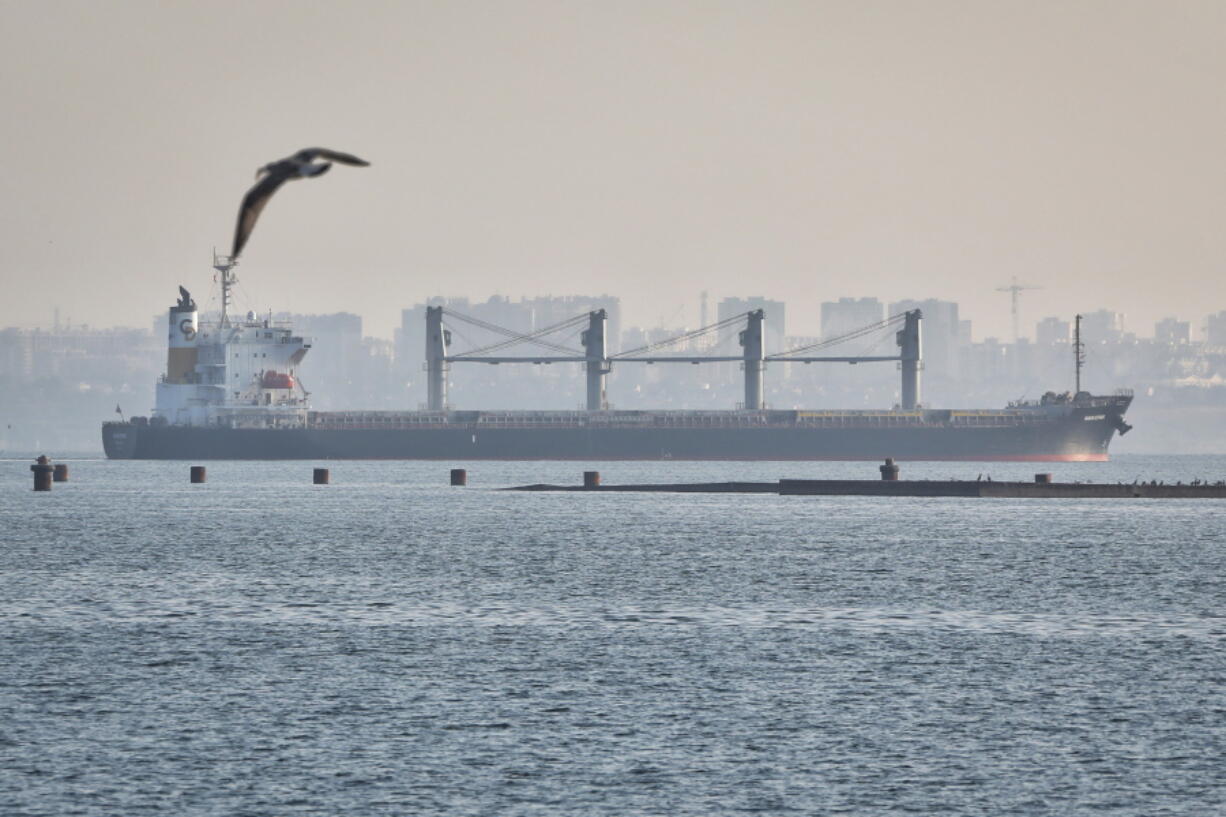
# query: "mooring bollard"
42 473
1042 479
321 476
459 476
197 474
591 479
889 471
61 473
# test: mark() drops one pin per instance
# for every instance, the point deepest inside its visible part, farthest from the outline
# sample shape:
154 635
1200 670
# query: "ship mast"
225 264
1079 352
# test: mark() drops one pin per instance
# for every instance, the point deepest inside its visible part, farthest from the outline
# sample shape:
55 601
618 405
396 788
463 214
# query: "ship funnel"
183 322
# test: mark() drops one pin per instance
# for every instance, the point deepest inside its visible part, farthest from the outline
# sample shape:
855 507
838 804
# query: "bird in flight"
274 174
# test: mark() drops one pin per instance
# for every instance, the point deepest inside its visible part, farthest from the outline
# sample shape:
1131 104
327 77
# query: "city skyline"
1194 328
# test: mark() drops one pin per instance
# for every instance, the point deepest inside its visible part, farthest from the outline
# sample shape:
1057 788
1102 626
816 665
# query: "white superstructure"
232 373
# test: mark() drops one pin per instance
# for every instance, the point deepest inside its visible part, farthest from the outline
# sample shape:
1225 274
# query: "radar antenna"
225 264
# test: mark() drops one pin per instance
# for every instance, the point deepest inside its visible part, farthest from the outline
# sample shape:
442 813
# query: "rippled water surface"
388 644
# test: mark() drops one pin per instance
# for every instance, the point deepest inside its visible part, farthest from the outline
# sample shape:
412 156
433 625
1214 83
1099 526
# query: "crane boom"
1014 289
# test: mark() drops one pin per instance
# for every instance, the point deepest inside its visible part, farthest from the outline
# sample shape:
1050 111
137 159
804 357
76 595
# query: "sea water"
389 644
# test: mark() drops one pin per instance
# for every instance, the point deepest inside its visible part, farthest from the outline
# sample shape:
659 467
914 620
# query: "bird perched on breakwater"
274 174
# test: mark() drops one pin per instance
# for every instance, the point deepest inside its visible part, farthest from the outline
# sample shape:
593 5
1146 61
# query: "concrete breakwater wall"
931 488
667 487
1037 490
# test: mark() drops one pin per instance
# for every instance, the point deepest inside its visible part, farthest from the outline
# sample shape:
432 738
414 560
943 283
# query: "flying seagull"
273 175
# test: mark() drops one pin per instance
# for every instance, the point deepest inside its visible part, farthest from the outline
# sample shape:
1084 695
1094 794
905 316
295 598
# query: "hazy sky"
799 150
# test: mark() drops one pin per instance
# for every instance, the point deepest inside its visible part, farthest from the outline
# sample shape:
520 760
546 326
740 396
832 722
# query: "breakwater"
929 488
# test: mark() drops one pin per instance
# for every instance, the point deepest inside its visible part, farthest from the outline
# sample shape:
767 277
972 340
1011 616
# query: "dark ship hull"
1068 431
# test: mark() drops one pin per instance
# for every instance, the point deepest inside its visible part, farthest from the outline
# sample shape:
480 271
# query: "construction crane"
1014 289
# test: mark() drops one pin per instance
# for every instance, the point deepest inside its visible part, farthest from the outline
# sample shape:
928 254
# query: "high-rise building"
966 334
1052 331
1173 330
331 370
549 309
1102 326
847 314
774 328
1215 329
939 333
77 353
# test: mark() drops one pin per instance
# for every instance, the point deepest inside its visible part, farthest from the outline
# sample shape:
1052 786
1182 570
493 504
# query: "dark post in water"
459 476
42 473
321 476
61 472
591 479
889 471
197 474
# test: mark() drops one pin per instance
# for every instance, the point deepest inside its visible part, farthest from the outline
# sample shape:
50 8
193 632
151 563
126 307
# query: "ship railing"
661 419
1105 401
257 415
366 420
870 419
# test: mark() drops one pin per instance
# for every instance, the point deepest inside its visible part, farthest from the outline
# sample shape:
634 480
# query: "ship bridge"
234 372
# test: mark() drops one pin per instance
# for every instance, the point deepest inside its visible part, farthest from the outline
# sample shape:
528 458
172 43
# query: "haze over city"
688 407
804 151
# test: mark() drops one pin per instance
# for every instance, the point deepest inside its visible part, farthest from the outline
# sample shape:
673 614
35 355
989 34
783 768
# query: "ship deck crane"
598 362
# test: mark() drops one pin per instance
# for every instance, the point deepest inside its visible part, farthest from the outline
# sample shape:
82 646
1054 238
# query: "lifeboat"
277 380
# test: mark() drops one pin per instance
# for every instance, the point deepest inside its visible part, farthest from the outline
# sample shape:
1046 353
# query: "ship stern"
119 440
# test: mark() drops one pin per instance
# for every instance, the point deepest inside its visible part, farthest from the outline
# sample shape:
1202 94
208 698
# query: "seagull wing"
308 154
253 204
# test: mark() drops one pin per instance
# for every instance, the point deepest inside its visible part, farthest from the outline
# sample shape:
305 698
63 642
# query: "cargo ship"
231 392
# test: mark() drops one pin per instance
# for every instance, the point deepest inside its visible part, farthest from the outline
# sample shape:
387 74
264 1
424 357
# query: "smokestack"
182 323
